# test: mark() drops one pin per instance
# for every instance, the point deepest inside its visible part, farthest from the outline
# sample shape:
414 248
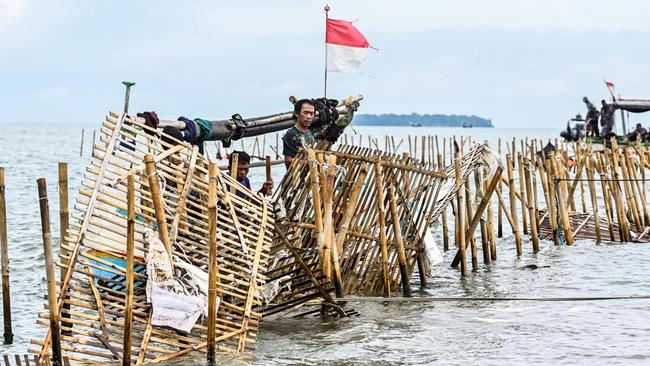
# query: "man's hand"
267 188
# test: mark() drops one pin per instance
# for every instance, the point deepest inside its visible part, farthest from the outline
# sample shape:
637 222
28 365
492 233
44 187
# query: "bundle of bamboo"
189 206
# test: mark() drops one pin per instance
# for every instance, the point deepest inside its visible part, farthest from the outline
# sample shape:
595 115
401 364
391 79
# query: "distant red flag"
610 85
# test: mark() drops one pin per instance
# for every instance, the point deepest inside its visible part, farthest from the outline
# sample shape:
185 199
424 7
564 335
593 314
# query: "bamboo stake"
130 249
523 201
531 207
499 213
316 201
513 203
379 188
212 269
156 197
4 250
562 203
234 167
468 218
331 179
55 327
445 225
399 242
81 148
592 195
64 223
460 217
480 196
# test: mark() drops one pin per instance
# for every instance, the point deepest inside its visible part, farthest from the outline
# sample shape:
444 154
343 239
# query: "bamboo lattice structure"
360 221
170 198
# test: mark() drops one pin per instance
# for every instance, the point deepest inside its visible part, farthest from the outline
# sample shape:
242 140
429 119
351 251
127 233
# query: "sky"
519 63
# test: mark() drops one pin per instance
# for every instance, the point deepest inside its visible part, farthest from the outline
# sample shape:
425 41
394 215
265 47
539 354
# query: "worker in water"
591 119
299 135
243 165
607 120
639 132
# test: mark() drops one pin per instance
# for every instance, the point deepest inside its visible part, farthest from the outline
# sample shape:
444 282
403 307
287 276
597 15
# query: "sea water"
446 333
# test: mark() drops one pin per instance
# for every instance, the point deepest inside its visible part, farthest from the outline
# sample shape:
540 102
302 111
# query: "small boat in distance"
467 125
416 124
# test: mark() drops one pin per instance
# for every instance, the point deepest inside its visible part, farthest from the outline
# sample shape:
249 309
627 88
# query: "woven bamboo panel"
94 291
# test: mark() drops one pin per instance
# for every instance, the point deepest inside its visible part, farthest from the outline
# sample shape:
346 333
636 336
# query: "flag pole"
327 9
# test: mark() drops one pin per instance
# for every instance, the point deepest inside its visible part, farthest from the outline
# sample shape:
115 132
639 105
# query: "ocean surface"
415 332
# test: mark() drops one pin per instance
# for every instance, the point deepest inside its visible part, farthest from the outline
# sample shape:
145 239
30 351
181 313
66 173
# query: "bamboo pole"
468 217
379 191
531 207
480 196
156 197
64 223
81 148
592 195
55 327
513 203
499 213
234 167
331 179
399 242
4 250
445 224
212 266
523 201
130 249
460 217
316 201
562 200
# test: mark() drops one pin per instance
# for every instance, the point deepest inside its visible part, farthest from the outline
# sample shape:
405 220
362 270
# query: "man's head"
243 163
638 126
585 99
603 102
304 111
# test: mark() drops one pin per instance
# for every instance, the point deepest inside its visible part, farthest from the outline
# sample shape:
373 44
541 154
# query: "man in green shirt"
299 135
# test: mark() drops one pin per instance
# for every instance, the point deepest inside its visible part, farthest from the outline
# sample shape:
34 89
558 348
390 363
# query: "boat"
467 125
416 124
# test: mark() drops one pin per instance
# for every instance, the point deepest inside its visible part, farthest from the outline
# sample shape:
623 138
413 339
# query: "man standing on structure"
607 119
591 118
299 135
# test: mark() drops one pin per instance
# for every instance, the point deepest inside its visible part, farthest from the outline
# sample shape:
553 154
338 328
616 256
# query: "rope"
485 298
600 179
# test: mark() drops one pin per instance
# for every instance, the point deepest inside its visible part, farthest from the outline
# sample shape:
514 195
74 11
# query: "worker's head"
638 126
243 163
603 102
304 111
585 99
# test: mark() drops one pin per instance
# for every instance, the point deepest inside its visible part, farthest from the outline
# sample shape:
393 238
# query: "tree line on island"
424 120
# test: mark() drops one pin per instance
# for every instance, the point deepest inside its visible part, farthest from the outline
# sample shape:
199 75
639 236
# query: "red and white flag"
610 85
346 46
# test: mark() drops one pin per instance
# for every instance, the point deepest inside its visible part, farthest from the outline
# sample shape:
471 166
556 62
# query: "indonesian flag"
346 46
610 85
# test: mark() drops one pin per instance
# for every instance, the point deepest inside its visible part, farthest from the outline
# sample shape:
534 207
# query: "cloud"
11 12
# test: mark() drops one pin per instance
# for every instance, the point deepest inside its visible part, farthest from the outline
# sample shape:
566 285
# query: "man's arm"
287 161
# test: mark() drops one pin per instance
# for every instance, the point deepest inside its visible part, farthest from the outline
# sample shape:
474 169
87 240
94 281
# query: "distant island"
424 120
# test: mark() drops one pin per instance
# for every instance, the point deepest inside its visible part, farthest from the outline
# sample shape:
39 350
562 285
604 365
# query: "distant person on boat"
243 166
607 120
639 132
575 130
591 119
299 136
